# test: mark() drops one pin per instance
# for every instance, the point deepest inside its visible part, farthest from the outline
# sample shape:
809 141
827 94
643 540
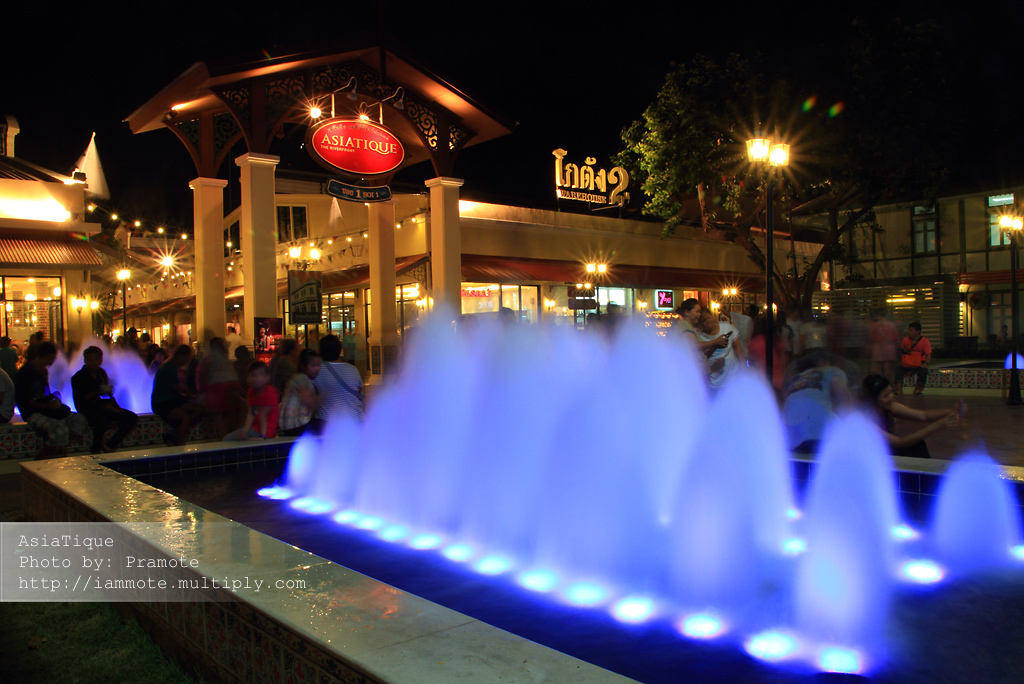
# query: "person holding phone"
94 399
723 361
879 395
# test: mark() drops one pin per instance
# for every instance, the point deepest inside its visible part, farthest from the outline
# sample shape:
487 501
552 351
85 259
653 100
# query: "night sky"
572 74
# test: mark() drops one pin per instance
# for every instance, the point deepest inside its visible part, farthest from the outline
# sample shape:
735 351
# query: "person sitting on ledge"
879 395
172 398
94 399
41 408
261 418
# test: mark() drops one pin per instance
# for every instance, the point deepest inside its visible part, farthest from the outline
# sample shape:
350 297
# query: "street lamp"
764 151
123 275
1012 225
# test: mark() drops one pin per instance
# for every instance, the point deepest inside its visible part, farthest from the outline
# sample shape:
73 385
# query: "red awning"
988 277
48 253
336 281
492 269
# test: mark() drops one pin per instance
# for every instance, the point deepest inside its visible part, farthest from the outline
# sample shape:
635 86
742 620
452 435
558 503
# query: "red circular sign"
356 146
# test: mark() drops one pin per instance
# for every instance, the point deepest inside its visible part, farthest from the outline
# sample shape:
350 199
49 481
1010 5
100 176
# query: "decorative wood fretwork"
188 132
238 101
424 120
282 95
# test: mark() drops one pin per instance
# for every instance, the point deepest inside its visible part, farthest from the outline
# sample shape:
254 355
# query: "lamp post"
1012 225
594 269
764 151
123 275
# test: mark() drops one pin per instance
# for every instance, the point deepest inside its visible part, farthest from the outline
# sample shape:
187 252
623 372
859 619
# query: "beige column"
258 234
445 243
78 324
208 281
383 341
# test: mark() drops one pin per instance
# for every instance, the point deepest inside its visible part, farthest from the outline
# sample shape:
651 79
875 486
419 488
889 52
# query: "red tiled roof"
41 252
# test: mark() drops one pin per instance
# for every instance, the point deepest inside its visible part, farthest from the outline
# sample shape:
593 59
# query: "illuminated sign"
356 146
585 184
663 300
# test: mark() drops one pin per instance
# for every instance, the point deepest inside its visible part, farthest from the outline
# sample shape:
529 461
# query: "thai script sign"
356 146
355 193
586 184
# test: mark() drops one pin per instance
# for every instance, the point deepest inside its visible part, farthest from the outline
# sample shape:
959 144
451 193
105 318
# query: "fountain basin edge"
343 627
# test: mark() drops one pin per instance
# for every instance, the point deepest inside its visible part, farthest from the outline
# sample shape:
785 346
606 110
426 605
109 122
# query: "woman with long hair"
299 400
879 395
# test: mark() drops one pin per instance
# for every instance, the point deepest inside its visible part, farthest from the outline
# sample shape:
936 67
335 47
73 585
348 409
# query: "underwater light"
840 660
311 504
701 626
492 565
459 552
277 493
633 609
347 517
794 546
904 532
792 513
425 541
1018 551
539 580
393 533
370 522
924 572
585 594
770 645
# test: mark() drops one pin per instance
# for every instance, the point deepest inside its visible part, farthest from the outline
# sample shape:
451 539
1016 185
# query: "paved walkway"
989 426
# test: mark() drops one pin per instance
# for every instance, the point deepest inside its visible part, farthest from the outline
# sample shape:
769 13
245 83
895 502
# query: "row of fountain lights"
774 646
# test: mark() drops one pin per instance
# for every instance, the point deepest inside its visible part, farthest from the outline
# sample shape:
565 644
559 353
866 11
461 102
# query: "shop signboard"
356 146
663 300
356 193
305 306
587 184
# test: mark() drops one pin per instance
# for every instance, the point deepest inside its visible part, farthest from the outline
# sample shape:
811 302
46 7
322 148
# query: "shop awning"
48 253
479 268
335 281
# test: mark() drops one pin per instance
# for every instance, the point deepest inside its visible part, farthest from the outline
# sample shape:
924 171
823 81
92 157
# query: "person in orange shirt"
915 353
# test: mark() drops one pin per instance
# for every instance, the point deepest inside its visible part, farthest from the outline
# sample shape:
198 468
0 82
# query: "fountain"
599 472
133 386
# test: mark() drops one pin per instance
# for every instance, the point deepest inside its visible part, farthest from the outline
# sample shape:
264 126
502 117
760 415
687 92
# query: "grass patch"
78 643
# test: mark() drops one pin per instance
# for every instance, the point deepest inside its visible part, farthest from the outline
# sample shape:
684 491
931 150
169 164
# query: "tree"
884 139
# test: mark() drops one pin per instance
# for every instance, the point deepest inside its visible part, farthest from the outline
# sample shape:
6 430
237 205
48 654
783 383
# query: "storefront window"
489 298
31 304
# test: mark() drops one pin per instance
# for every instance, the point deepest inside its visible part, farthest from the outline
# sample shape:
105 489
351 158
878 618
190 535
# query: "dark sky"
572 74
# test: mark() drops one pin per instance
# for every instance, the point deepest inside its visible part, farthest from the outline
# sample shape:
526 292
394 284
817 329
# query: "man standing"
8 357
94 399
915 353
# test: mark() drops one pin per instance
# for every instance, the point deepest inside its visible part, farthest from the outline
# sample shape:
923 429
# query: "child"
261 418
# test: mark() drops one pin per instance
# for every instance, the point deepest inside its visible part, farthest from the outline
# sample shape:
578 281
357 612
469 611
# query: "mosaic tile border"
965 378
18 440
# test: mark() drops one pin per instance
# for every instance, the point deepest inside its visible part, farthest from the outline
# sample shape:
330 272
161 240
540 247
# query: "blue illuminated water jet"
556 462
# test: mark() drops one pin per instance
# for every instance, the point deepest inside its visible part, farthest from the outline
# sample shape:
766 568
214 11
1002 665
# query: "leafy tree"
880 139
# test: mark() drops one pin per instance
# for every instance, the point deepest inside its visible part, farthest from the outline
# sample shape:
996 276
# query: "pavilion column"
383 318
258 233
445 243
208 280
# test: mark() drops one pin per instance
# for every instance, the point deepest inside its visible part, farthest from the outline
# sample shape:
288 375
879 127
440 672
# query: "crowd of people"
818 369
241 398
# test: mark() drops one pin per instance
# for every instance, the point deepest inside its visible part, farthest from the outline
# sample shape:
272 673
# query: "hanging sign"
356 146
663 300
584 184
304 301
356 193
